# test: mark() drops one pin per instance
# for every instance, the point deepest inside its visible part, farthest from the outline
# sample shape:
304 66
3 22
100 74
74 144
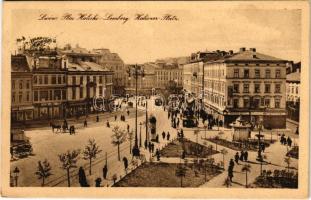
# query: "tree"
118 137
223 152
288 161
181 172
43 171
130 137
246 168
90 152
69 161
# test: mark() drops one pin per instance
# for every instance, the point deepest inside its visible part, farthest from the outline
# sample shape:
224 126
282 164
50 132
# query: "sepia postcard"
154 99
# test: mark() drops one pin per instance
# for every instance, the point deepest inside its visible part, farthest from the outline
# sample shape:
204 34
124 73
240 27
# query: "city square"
99 110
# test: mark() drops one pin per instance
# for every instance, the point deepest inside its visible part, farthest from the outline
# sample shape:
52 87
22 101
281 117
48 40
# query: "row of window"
46 95
88 79
214 72
81 94
257 102
21 84
293 90
257 73
45 79
18 97
246 86
165 73
166 78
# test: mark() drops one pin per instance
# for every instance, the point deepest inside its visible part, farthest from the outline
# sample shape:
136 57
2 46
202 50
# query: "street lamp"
16 174
135 72
140 124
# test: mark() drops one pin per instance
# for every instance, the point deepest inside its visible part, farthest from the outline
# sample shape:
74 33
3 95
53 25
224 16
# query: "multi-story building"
21 90
247 84
145 84
193 72
85 80
168 73
49 85
293 95
113 62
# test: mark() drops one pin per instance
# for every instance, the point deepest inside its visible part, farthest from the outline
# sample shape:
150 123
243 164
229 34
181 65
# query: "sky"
276 32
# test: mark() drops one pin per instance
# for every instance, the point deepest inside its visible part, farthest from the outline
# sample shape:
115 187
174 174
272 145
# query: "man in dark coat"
168 136
85 123
158 154
125 162
236 157
163 135
246 156
242 156
82 178
105 171
146 144
97 118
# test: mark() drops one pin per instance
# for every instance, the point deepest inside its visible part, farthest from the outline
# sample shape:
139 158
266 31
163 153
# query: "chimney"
230 52
242 49
253 49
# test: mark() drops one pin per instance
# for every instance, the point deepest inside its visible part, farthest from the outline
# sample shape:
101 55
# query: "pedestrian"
177 122
289 141
242 155
157 138
263 147
163 135
149 147
125 162
108 125
158 154
183 155
230 174
168 136
246 156
105 171
168 115
236 157
82 178
97 182
115 117
231 164
146 144
152 147
128 112
85 123
97 118
128 128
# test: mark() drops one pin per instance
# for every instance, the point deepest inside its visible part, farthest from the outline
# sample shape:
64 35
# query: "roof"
19 63
249 55
293 77
86 66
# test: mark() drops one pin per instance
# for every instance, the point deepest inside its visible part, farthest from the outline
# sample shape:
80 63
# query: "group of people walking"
286 141
243 156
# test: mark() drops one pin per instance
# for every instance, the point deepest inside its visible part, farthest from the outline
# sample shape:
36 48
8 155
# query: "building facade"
21 90
168 73
113 62
293 95
193 72
49 86
86 81
247 84
146 84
